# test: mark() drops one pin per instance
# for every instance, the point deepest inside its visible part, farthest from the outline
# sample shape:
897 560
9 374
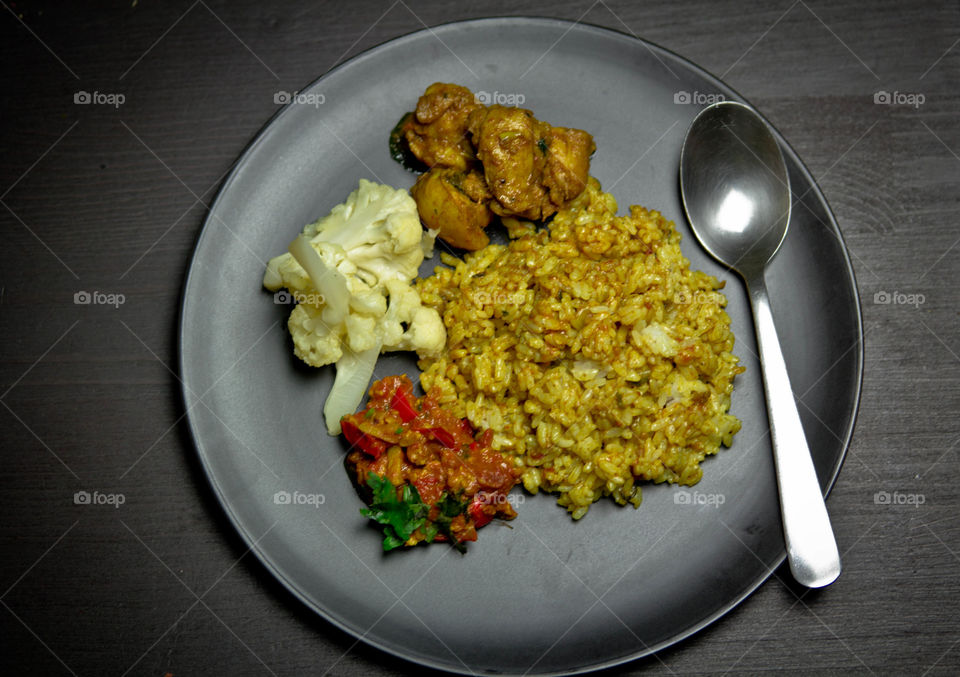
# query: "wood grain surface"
111 199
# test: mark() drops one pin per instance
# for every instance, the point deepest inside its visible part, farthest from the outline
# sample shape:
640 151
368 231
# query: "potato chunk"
454 202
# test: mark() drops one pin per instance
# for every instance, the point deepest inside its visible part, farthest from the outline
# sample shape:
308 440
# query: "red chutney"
412 441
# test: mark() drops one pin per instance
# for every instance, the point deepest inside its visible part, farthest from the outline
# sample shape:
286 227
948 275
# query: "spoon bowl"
732 169
736 193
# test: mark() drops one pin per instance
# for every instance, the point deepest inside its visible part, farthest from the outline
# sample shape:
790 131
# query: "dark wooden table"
109 197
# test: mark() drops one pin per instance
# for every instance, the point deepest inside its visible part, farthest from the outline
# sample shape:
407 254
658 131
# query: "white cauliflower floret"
425 332
373 237
313 342
361 332
368 302
284 271
426 335
351 273
377 229
403 300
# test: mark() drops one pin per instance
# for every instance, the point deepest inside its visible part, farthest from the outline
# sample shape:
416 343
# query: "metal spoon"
736 193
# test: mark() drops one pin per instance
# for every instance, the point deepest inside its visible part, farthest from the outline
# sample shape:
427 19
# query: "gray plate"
547 595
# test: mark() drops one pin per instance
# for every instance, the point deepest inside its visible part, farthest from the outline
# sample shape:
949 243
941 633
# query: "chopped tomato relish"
426 474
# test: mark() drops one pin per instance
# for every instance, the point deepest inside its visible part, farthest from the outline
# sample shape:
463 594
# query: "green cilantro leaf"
400 517
450 506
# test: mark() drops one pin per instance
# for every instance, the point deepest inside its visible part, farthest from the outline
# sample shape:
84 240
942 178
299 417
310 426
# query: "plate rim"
259 137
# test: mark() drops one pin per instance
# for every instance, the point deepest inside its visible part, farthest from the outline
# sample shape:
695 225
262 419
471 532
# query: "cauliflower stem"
354 371
327 280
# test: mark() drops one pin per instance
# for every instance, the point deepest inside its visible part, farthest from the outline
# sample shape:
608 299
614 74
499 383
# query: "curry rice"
593 352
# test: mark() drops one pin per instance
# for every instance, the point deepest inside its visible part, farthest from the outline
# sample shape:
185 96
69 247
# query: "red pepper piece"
444 437
370 445
480 518
401 404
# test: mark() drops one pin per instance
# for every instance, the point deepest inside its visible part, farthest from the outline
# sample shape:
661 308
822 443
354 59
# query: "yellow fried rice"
589 347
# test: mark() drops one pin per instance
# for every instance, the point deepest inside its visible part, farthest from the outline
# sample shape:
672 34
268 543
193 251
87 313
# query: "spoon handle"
811 546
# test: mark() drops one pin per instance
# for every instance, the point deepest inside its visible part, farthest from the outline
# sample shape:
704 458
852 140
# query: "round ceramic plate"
546 594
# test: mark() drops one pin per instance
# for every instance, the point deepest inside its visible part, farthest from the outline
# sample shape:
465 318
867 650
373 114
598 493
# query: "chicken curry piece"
436 133
486 161
531 167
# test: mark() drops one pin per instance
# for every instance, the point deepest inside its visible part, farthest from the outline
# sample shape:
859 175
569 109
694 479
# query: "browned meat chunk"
485 161
511 146
456 203
437 131
568 163
531 168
